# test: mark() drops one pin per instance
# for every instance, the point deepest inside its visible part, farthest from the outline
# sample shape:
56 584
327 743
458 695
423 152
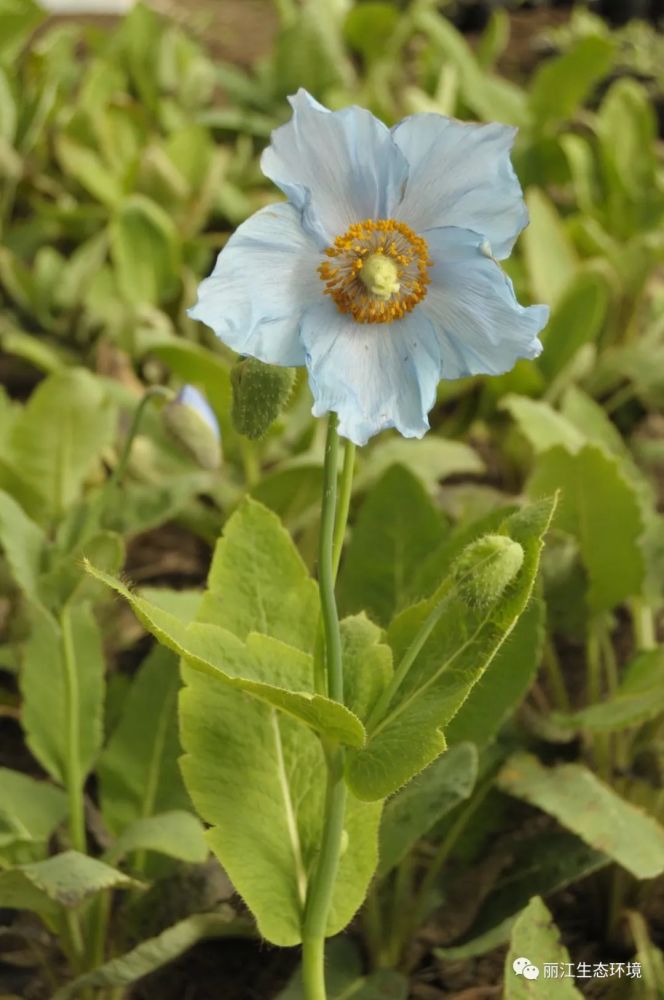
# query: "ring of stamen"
378 270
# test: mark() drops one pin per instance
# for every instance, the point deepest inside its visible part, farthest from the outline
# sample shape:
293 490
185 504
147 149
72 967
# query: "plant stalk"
321 886
74 779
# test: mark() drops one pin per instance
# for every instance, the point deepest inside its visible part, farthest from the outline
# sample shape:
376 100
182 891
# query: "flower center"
378 270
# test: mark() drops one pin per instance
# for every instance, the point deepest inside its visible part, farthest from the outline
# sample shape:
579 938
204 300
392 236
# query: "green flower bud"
260 393
486 568
192 424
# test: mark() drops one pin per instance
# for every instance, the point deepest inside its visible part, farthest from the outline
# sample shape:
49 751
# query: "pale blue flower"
380 272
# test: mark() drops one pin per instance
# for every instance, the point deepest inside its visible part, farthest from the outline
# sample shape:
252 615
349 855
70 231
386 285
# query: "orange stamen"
408 252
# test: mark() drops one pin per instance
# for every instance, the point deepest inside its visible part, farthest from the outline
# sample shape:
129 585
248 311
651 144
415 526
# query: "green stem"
372 922
343 506
643 622
402 889
74 777
555 677
326 573
600 741
321 886
75 940
250 464
319 896
610 662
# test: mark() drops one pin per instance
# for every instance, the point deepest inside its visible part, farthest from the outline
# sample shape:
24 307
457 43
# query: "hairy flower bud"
486 568
260 393
190 421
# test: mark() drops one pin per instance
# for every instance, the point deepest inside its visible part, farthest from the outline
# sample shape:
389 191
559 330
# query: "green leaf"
398 525
65 583
255 775
505 682
577 320
543 426
23 544
62 683
369 27
608 533
551 259
138 768
32 809
491 97
258 581
367 664
177 834
627 111
591 420
535 937
145 250
582 803
64 880
409 734
560 85
430 460
640 697
227 660
58 439
495 39
19 19
184 604
540 863
415 809
293 494
89 170
158 951
309 51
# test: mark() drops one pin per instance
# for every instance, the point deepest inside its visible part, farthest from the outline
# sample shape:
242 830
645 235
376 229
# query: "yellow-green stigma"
380 275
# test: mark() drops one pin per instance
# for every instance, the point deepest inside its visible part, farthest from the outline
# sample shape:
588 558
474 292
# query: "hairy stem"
321 886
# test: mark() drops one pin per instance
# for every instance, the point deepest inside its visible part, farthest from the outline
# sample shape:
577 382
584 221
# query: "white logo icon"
524 967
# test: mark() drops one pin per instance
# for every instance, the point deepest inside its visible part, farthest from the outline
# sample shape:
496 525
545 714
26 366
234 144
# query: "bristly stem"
321 885
335 684
343 504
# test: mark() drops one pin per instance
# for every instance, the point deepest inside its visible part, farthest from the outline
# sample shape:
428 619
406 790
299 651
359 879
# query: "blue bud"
191 422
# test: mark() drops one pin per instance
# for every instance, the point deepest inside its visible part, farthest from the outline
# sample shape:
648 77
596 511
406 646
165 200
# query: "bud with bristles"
485 569
260 393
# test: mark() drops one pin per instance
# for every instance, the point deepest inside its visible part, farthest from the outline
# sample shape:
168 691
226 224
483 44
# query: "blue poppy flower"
380 272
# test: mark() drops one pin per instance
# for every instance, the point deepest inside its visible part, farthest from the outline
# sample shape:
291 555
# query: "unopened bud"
190 421
260 393
486 568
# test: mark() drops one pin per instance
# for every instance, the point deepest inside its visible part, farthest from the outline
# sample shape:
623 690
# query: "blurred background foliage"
128 154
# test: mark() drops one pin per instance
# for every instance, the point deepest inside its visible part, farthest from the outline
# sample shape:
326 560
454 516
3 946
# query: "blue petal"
481 328
461 175
263 280
372 375
337 167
